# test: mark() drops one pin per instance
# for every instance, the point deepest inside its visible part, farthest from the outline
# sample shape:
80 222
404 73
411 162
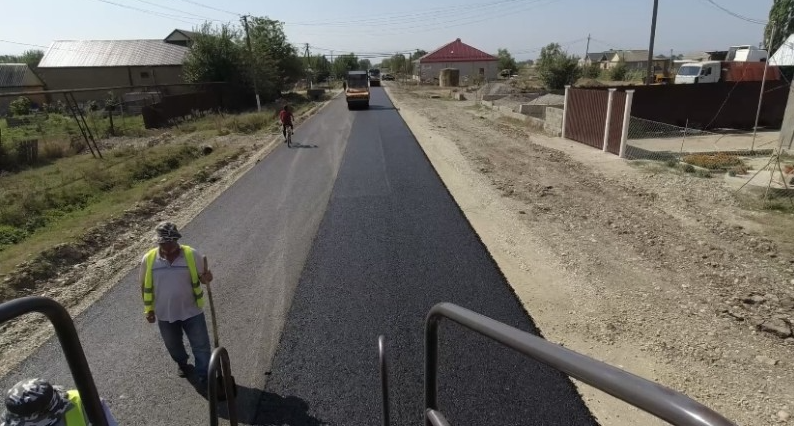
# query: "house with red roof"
471 62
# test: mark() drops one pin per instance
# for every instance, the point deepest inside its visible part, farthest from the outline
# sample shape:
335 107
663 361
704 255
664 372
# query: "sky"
374 29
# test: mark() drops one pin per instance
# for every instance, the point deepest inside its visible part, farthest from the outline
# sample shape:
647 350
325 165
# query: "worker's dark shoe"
182 370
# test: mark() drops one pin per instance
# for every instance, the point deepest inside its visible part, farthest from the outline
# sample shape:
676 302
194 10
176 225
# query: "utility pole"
649 78
251 53
763 86
587 50
309 69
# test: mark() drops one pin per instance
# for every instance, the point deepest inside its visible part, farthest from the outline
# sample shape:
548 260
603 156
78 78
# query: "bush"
11 235
619 72
591 71
689 168
714 161
20 106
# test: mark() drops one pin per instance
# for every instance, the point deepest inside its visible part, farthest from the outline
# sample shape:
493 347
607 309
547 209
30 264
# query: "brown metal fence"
586 117
729 105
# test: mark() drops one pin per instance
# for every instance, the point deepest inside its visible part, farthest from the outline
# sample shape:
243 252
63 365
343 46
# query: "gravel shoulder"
664 275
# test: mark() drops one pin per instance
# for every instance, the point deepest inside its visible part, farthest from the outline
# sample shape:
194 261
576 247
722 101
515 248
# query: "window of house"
144 74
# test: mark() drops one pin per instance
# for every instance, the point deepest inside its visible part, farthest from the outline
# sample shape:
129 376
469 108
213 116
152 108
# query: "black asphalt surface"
391 245
316 252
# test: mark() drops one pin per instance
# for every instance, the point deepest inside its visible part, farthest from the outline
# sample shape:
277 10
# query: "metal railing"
70 343
660 401
384 378
220 359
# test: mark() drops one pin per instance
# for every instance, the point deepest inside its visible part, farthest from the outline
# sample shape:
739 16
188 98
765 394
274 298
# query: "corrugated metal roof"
457 51
18 75
112 53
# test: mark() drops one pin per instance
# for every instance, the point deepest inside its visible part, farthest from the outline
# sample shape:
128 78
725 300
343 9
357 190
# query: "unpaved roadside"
126 238
660 274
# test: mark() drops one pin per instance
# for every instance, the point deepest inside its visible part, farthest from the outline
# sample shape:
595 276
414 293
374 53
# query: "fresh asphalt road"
316 252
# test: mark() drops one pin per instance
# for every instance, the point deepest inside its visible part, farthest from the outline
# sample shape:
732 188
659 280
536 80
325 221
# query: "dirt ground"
116 245
662 274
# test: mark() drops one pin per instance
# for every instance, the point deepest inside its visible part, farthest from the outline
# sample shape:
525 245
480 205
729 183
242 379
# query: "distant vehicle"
740 63
746 53
374 77
388 77
357 89
718 71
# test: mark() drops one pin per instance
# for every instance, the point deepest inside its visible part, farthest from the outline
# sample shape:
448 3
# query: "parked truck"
739 63
728 71
357 89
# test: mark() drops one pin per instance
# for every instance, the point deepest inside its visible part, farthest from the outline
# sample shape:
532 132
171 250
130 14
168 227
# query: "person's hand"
206 277
150 317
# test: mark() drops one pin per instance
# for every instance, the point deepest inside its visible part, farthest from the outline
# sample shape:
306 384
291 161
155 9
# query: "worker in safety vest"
171 276
35 402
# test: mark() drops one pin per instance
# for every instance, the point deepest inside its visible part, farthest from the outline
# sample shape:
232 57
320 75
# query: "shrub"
591 71
689 168
619 72
714 161
11 235
20 106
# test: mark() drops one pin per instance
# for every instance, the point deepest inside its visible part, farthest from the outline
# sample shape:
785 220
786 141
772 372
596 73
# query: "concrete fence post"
626 123
609 118
565 110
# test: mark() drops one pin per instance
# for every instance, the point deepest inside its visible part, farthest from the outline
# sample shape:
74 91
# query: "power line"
417 29
736 15
409 18
179 10
151 12
212 8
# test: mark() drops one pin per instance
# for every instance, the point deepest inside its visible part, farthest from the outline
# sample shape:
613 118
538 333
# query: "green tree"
418 54
386 64
400 64
781 16
506 61
321 67
215 55
364 64
344 63
556 68
30 57
268 39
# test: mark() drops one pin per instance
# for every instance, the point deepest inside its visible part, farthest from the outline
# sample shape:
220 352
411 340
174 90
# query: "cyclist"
286 118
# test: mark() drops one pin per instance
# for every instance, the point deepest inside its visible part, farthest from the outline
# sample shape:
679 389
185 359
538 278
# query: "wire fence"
652 140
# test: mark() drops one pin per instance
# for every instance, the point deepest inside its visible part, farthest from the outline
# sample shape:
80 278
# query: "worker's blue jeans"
196 330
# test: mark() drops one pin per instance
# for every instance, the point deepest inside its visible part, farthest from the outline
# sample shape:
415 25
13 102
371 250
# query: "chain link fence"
652 140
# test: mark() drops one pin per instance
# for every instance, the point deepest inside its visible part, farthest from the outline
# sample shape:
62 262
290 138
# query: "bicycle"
289 137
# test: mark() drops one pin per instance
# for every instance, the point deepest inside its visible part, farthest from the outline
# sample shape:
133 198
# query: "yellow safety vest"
148 284
74 416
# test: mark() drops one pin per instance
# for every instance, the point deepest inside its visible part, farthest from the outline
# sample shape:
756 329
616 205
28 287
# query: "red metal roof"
457 51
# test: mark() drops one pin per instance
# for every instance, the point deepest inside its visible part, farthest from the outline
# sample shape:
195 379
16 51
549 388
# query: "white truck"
742 63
